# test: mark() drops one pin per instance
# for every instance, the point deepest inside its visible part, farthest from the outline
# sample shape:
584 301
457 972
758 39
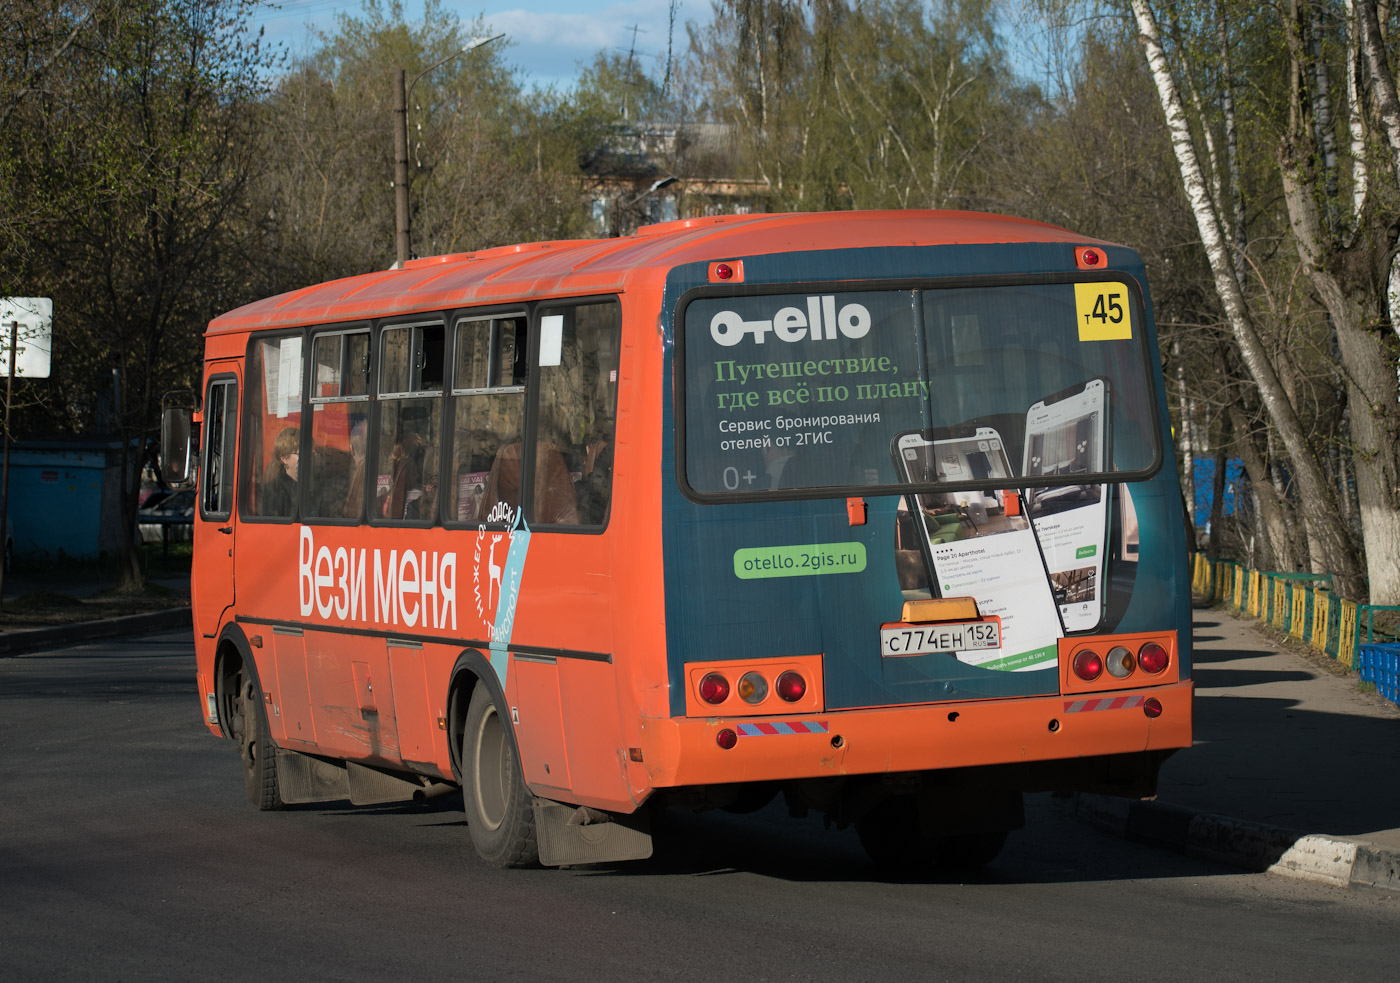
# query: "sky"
548 39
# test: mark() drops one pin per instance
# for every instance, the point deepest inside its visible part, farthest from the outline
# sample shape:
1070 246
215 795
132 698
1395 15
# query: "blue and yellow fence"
1303 605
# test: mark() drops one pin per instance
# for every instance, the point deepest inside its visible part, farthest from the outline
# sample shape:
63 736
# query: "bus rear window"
791 393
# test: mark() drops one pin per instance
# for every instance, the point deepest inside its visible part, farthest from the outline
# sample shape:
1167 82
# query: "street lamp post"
402 247
620 210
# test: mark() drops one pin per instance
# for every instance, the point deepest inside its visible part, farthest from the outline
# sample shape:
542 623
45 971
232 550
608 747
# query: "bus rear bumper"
685 751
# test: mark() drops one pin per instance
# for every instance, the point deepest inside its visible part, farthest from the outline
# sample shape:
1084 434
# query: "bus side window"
488 386
272 428
216 491
335 477
578 415
410 422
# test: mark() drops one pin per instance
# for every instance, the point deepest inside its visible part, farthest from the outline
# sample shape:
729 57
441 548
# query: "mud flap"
371 786
568 835
304 778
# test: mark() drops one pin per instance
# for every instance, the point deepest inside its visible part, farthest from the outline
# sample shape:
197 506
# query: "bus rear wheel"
500 818
893 839
249 725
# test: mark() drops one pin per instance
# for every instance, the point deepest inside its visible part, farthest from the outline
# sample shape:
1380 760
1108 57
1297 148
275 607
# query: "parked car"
167 516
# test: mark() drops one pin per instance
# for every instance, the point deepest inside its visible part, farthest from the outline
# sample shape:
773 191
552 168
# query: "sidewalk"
17 640
1292 766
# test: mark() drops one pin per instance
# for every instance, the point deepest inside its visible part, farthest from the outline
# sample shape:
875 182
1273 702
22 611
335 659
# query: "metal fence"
1363 637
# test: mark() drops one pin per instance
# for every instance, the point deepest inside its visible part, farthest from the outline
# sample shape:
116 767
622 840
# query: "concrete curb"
1331 860
34 639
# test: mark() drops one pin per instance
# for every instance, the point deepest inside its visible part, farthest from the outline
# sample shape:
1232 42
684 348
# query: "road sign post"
36 315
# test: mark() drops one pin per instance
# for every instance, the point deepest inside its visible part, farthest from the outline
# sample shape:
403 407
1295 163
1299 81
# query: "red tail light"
726 739
791 687
1152 658
1087 664
714 688
1153 709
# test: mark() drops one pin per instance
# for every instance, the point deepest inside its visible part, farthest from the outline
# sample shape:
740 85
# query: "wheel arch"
232 653
473 669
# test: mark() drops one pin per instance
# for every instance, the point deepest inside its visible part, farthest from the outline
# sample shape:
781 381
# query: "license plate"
952 636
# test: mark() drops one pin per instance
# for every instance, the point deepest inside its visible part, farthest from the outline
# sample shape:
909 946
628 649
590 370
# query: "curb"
1256 847
33 639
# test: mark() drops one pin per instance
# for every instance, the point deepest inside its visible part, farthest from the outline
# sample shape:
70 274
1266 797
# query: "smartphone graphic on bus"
979 544
1067 435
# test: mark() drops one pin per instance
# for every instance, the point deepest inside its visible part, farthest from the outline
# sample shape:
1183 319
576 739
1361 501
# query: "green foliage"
882 104
490 162
128 157
614 87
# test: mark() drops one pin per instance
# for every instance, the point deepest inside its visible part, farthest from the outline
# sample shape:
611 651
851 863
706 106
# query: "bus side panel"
539 727
601 603
413 719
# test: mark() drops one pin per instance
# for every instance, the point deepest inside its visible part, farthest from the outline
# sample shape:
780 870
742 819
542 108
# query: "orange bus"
870 509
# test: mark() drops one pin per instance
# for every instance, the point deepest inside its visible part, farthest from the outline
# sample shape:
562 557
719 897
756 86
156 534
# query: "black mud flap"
306 778
568 835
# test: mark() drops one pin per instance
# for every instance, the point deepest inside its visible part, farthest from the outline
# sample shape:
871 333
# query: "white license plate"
952 636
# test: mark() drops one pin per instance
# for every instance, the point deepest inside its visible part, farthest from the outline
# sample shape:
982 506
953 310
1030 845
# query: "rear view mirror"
175 445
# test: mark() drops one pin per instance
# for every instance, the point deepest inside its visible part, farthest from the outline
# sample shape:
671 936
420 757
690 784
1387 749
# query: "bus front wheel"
249 725
500 818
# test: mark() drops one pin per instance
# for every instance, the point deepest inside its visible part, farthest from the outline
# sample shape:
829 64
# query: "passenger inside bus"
554 498
355 489
595 486
279 485
405 496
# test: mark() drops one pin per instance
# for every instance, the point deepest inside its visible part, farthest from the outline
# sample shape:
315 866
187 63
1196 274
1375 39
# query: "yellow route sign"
1103 310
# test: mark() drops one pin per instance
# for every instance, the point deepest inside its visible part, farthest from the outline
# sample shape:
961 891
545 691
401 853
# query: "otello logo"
821 321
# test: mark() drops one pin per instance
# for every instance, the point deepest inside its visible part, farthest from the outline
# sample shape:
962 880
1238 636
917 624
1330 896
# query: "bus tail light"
1153 658
714 688
1153 708
791 686
726 739
1119 662
753 688
1087 664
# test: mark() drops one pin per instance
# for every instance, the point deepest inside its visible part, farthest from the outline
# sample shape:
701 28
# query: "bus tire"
255 746
968 851
500 816
892 838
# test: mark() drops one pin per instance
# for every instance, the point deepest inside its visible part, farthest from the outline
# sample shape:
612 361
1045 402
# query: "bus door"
216 516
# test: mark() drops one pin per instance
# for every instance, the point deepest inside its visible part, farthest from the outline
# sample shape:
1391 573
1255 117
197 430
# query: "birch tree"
1349 267
1332 549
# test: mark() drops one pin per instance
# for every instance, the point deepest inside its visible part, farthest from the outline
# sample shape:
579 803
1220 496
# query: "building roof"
580 267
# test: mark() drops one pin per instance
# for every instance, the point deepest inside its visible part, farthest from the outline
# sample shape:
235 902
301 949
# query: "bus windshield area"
1033 385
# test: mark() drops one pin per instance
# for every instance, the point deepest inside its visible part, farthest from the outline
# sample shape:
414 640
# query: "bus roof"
580 267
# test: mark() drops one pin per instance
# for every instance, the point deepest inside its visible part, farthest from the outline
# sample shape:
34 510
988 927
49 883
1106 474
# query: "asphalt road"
127 852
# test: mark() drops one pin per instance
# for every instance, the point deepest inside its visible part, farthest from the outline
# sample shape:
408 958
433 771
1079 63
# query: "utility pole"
5 481
402 246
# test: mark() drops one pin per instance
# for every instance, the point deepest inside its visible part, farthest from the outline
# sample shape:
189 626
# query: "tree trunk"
1351 282
1319 503
1273 511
